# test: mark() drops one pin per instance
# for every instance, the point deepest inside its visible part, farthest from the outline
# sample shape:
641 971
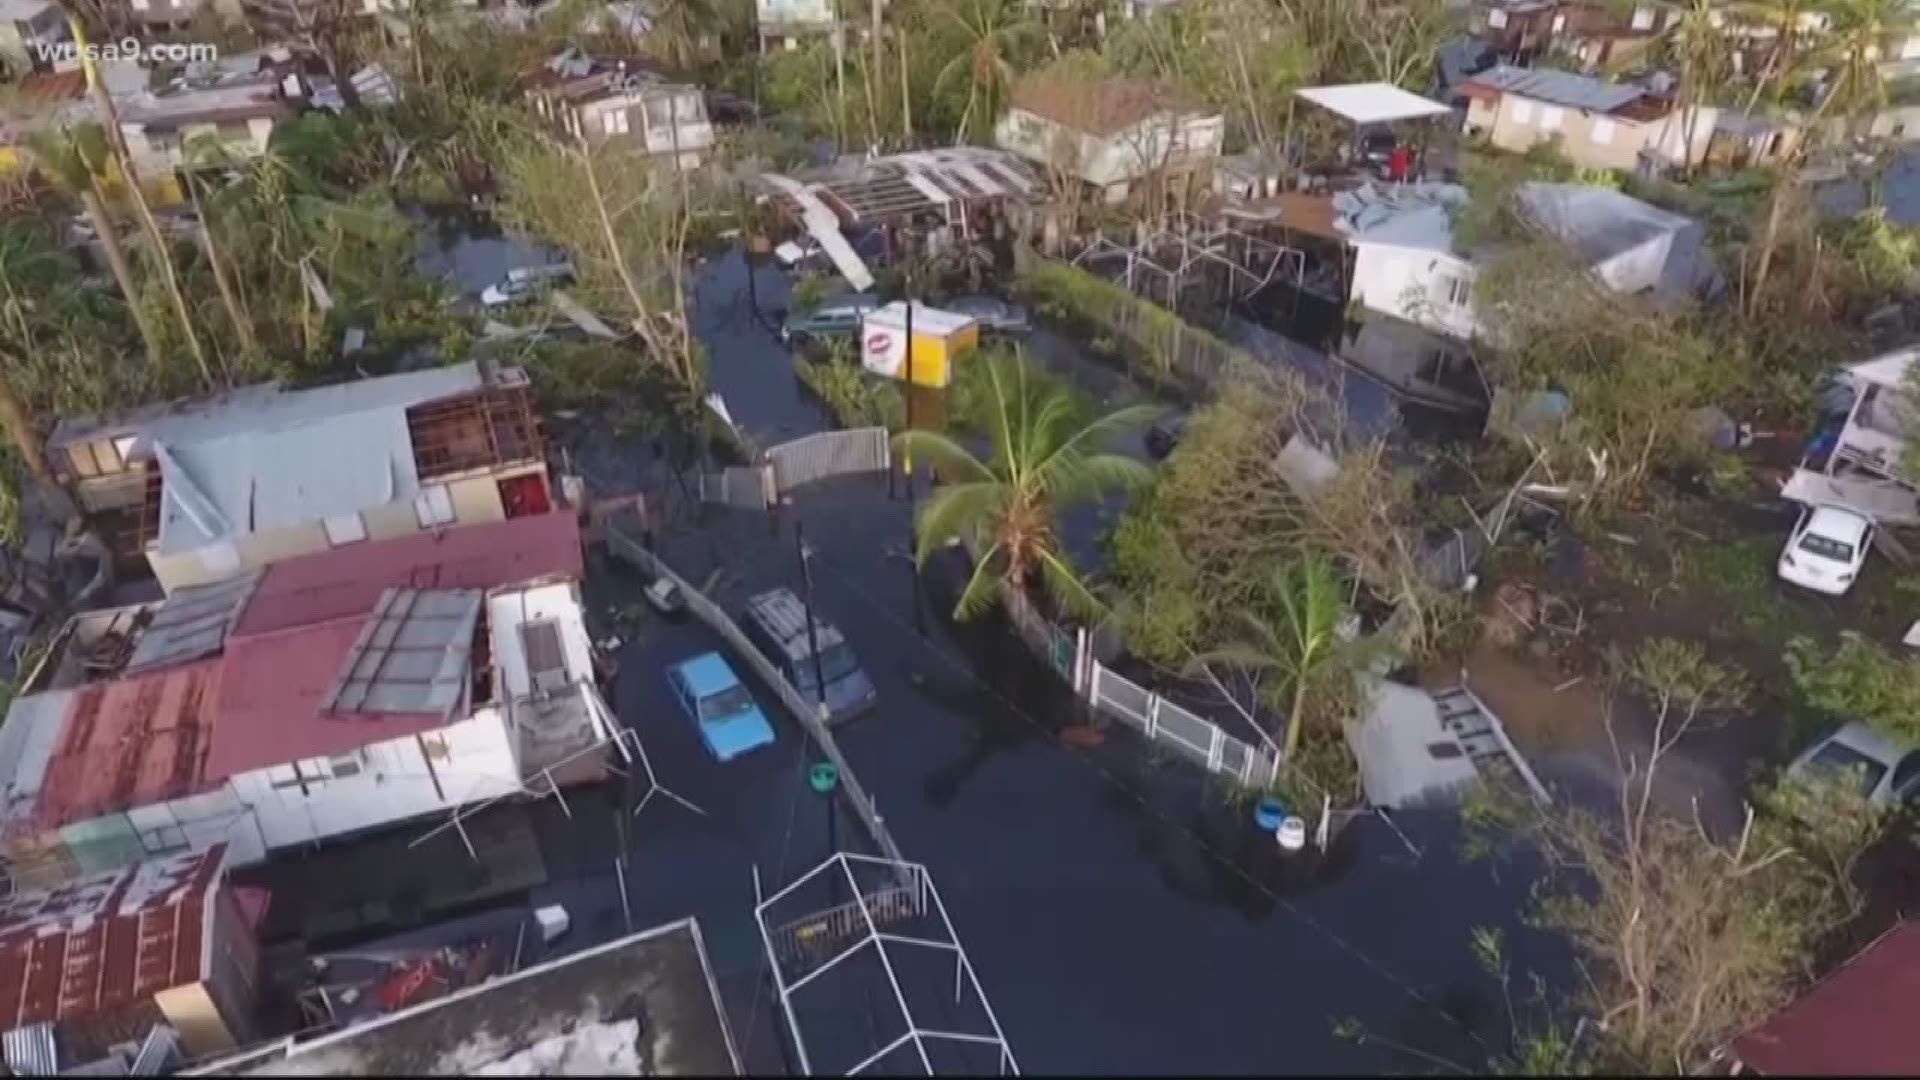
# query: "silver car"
993 314
1889 772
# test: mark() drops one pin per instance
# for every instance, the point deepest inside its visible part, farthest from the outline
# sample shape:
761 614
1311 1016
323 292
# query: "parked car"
729 720
1888 772
776 622
521 282
1828 546
1166 434
829 320
993 314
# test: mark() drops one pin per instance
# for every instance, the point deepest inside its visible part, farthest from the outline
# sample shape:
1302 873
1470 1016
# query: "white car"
522 281
1887 772
1827 549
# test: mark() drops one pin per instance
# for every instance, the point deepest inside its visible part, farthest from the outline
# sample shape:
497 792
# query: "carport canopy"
1372 103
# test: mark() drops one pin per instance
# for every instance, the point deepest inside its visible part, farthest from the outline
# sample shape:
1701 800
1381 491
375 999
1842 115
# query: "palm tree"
679 31
1296 636
993 35
1045 455
1696 45
1785 19
73 159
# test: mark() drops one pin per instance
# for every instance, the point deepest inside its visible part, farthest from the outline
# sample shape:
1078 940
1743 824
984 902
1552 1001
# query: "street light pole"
806 592
823 778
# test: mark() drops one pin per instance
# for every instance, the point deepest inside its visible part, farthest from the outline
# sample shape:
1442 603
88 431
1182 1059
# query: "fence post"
1213 751
1153 716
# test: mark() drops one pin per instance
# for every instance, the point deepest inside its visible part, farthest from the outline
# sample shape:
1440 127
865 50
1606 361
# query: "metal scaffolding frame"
892 893
1191 245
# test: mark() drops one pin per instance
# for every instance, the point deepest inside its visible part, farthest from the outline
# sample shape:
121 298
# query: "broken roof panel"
192 623
412 656
133 741
1373 103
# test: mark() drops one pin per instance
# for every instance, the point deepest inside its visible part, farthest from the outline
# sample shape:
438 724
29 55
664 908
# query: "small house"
1415 285
1597 124
128 964
31 32
620 102
211 488
1110 133
318 698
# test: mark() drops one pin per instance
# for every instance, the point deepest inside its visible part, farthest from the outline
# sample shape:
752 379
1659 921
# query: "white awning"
1884 501
1373 103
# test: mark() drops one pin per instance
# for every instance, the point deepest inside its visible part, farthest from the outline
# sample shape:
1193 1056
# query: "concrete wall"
1514 123
1414 285
476 500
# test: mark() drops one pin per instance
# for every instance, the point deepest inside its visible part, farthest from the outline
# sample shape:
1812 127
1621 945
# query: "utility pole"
806 593
823 778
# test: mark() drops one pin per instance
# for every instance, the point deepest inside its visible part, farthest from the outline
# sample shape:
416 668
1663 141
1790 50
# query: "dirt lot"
1555 606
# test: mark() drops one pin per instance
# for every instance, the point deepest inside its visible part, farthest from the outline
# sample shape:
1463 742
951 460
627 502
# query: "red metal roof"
145 739
106 942
1856 1022
269 711
130 742
348 581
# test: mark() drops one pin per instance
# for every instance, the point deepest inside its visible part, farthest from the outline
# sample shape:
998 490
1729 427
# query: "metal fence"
829 453
811 715
1162 720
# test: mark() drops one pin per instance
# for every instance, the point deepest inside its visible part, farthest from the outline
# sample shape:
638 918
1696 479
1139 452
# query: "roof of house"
211 105
109 941
1099 107
1855 1022
1372 103
861 189
329 653
347 581
1596 223
645 1005
1555 87
291 457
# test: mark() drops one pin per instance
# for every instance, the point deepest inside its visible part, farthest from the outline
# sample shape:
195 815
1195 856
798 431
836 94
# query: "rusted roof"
106 942
1096 106
1856 1022
134 741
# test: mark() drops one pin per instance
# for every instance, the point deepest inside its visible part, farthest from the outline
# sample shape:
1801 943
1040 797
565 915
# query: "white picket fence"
1161 720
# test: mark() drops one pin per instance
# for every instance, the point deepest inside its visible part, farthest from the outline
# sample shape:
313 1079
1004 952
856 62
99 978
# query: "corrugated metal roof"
106 942
1372 103
349 581
31 1050
1858 1022
27 740
191 623
133 741
1558 87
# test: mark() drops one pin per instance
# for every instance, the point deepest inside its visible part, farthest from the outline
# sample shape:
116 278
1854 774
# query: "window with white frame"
1559 23
1455 291
1601 132
433 506
1522 111
344 529
615 122
1497 19
1643 18
1550 117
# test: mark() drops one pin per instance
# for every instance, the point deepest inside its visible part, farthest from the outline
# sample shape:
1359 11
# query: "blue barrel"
1268 813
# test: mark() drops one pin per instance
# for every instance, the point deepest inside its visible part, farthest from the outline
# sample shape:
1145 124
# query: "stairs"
1463 718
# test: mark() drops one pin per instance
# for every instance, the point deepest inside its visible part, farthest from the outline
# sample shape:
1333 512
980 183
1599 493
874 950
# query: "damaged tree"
1686 938
626 221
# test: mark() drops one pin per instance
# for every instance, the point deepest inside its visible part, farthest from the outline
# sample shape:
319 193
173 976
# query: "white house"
317 698
789 20
1109 133
621 103
1415 284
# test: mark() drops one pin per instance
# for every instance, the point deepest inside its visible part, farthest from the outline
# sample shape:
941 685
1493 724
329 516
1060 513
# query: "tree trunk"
17 419
96 210
242 325
906 97
1294 718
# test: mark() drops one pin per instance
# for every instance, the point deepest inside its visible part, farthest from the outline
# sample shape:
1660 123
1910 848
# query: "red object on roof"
1857 1022
348 581
130 742
106 942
